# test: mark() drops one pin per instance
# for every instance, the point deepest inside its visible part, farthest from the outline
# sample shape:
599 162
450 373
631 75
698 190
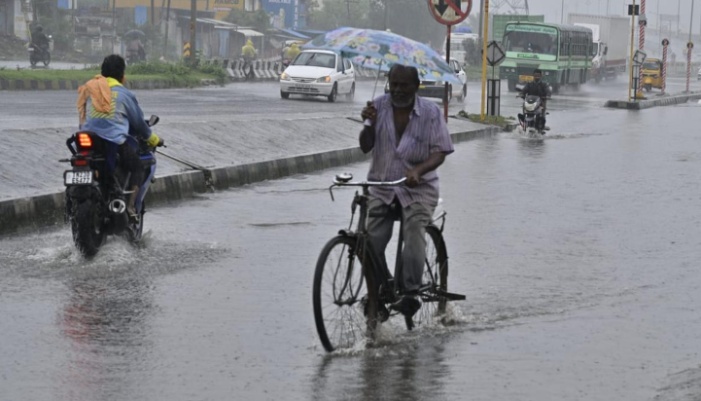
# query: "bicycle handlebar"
344 180
336 182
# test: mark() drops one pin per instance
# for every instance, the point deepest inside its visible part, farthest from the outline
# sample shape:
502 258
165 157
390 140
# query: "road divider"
658 101
34 212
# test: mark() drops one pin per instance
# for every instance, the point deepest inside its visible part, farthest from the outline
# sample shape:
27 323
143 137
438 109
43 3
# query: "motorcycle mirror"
153 120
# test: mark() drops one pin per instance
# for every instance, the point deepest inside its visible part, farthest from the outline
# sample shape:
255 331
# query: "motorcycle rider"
39 40
111 111
537 88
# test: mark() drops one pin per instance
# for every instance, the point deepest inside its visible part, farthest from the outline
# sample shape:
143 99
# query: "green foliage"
258 20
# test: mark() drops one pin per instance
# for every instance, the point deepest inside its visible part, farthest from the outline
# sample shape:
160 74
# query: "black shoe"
408 305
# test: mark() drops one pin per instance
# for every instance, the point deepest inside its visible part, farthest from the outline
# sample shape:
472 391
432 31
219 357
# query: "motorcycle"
39 54
532 111
96 198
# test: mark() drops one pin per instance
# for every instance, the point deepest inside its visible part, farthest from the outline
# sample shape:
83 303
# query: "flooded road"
577 254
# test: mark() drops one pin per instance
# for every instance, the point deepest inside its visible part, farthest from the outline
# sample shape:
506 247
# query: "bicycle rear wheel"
337 295
435 279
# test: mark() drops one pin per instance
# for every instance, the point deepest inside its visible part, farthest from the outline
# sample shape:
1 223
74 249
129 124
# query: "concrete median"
648 103
44 210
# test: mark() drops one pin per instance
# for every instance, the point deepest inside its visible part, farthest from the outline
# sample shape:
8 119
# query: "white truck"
611 37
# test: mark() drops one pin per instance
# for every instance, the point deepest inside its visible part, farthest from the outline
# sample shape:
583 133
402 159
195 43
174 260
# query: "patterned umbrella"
380 49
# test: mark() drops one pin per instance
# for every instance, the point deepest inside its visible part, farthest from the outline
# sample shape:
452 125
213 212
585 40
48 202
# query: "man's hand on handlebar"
412 178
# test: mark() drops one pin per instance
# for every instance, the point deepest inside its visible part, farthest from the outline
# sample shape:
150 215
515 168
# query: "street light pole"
562 12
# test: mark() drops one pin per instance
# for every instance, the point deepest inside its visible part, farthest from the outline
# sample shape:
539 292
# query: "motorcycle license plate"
78 177
525 78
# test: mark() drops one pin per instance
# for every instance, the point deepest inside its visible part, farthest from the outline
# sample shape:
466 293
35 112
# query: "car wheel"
450 93
284 95
351 94
463 93
334 94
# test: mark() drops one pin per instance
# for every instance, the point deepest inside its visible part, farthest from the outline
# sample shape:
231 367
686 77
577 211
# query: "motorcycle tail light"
84 140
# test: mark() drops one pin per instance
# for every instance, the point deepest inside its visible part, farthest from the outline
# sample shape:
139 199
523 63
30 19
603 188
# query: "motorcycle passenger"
111 111
537 88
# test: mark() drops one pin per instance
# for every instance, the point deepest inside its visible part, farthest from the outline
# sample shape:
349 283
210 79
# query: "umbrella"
380 49
134 33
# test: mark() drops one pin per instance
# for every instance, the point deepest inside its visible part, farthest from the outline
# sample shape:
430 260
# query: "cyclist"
408 138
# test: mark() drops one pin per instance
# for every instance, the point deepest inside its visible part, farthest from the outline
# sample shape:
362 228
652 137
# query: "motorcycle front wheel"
47 59
86 226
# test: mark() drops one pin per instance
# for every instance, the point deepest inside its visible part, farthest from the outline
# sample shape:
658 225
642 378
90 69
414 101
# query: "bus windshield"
521 39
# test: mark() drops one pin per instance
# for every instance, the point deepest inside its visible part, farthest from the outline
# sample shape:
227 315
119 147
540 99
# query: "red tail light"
84 141
79 162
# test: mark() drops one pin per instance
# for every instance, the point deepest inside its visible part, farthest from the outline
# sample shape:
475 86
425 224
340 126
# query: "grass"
178 75
499 121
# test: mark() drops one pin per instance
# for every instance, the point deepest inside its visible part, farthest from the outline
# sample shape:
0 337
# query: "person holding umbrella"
408 137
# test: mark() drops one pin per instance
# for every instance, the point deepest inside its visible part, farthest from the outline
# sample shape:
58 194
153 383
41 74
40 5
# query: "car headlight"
284 76
325 79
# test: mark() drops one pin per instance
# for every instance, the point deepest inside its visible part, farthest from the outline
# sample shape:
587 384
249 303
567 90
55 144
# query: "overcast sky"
552 9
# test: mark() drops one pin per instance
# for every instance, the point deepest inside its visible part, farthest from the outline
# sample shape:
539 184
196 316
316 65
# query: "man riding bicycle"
408 138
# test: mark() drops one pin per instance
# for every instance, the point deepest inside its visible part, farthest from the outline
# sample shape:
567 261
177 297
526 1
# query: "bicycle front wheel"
435 278
338 294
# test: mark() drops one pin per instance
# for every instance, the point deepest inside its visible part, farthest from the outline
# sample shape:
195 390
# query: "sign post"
665 44
495 55
689 47
449 13
485 35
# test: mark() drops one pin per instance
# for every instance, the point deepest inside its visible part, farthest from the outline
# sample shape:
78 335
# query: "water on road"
577 253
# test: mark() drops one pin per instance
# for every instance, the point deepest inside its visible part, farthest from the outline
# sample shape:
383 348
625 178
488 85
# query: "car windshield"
316 59
653 65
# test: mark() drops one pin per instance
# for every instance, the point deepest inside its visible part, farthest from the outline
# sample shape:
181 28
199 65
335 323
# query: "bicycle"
353 311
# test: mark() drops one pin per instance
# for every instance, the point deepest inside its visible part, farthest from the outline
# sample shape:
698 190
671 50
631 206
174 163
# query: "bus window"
530 42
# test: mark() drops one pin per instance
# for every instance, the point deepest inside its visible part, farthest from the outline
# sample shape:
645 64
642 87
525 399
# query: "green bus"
563 52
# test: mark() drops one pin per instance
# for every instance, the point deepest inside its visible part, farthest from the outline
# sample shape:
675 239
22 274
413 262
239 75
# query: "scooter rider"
537 88
111 111
40 40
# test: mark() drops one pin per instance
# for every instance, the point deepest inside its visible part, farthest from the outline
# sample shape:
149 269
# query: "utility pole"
562 12
193 32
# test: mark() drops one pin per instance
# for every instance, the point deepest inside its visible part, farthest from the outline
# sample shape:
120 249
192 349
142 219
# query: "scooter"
39 54
532 112
97 194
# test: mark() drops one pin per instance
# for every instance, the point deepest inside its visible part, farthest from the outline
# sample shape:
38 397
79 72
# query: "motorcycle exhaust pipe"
117 206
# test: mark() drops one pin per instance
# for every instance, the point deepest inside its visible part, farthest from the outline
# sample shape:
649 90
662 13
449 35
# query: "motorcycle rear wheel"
47 59
86 226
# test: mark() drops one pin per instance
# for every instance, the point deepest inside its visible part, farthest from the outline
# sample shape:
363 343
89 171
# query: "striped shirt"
425 133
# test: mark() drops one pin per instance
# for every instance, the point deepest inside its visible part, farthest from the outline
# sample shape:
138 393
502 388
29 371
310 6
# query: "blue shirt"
124 118
426 133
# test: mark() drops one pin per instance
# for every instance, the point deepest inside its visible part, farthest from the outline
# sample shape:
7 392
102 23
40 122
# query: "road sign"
639 57
690 45
665 42
633 10
450 12
495 54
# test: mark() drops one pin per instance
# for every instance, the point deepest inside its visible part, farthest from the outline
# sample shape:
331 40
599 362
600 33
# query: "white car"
436 89
318 73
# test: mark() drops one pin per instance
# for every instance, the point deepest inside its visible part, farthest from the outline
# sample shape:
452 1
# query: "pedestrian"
408 137
249 55
292 52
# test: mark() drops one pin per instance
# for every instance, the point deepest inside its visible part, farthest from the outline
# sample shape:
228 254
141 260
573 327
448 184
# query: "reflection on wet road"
577 253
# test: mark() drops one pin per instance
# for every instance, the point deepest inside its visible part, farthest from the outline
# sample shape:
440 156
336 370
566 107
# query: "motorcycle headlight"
325 79
284 76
